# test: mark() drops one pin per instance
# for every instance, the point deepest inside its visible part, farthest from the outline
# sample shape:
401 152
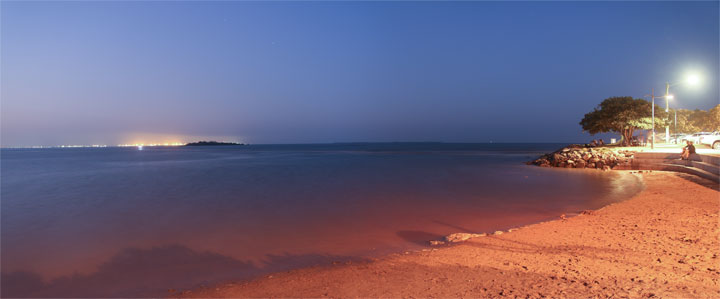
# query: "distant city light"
151 144
138 145
78 145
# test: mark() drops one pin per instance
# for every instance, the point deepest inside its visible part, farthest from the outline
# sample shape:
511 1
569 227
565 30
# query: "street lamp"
652 96
668 97
692 80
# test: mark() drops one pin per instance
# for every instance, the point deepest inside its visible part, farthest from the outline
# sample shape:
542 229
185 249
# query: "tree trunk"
627 136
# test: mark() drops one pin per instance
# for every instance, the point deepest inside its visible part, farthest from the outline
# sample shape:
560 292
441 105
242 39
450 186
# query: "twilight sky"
276 72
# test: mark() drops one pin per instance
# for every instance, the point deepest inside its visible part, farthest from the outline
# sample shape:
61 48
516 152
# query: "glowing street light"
652 96
692 79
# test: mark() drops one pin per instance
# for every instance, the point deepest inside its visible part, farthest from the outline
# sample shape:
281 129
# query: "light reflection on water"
129 223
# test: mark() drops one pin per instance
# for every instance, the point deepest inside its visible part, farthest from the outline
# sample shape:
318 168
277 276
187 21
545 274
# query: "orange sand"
662 242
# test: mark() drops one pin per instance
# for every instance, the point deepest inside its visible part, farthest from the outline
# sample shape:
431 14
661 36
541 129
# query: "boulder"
461 237
580 156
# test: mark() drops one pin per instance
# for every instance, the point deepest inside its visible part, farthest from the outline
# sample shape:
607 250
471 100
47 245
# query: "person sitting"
593 143
687 151
601 142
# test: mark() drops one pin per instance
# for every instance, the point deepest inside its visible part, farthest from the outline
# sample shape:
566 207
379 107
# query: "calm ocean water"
121 222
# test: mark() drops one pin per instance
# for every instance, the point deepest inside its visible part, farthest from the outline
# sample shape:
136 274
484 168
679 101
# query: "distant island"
204 143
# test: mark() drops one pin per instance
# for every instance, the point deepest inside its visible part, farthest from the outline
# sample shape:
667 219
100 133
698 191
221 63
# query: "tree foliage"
691 121
622 115
714 118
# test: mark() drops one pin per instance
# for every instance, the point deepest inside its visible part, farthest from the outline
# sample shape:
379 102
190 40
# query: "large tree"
684 125
622 115
691 121
714 119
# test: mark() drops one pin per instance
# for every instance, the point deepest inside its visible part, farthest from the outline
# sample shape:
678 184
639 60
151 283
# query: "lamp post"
652 96
692 80
667 109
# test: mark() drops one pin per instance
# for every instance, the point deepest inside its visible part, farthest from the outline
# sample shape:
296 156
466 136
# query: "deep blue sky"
273 72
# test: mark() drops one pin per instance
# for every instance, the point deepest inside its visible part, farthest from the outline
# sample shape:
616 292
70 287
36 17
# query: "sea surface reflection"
99 222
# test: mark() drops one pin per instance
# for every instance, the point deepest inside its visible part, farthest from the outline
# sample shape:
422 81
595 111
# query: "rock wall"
581 156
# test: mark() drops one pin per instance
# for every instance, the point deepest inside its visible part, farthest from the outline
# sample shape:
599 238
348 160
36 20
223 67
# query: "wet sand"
662 242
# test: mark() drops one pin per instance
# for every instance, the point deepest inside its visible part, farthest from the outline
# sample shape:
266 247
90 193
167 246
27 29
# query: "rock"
498 232
580 156
588 212
461 237
606 168
436 242
458 237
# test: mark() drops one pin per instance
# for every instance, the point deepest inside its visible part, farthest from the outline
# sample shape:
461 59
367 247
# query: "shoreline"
661 242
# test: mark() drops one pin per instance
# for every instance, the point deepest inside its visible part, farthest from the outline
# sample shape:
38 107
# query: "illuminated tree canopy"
691 121
622 115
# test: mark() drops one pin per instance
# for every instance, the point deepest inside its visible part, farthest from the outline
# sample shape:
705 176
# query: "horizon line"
257 144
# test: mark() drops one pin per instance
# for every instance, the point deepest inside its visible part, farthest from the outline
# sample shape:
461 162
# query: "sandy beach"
664 242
